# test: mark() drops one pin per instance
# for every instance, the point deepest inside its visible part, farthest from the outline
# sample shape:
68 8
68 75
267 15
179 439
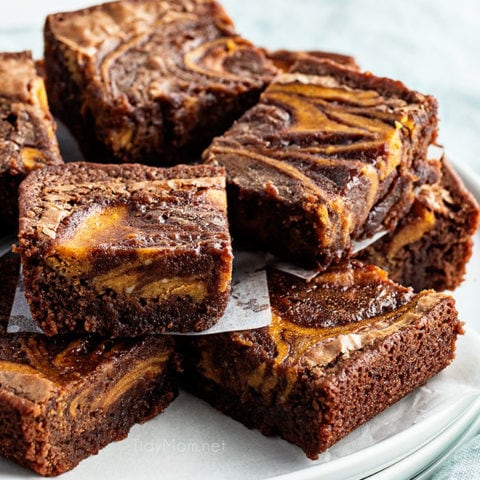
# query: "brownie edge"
431 246
64 399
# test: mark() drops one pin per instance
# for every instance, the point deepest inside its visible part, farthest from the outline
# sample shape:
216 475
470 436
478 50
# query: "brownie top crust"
115 222
85 208
342 295
33 366
342 310
182 46
27 130
343 144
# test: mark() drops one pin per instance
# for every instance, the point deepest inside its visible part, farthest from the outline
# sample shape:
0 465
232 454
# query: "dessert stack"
194 137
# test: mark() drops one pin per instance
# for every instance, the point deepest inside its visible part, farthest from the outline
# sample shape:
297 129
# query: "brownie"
148 81
329 155
62 399
284 60
125 250
433 243
27 131
340 349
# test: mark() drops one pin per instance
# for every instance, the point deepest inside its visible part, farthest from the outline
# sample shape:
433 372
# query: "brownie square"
27 131
125 250
432 244
341 348
148 81
62 399
329 155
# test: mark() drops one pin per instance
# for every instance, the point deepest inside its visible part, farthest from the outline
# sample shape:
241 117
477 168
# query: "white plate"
436 450
472 429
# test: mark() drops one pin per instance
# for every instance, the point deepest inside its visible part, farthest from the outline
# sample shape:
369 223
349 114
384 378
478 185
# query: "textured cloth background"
431 45
464 465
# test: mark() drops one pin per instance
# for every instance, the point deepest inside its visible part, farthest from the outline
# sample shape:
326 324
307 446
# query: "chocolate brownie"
148 81
125 250
327 156
340 349
62 399
285 59
433 243
27 131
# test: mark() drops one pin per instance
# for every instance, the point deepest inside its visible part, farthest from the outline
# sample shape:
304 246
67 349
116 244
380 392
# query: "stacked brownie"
329 155
309 156
27 131
110 254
